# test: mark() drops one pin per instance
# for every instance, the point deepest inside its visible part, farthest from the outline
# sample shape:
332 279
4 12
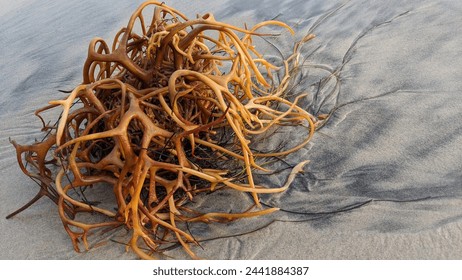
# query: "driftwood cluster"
166 112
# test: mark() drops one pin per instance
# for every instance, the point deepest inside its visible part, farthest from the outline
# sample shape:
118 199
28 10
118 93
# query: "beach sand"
385 174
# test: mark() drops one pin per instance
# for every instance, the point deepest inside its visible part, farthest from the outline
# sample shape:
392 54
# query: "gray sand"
385 177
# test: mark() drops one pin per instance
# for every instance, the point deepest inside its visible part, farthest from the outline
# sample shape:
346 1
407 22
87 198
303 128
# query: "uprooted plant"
168 111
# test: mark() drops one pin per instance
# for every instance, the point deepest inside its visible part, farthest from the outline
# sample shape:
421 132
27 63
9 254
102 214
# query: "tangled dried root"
154 117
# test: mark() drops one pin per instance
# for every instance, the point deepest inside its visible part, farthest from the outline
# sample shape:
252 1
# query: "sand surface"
385 177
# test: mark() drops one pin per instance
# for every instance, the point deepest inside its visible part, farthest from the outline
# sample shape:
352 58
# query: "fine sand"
385 174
